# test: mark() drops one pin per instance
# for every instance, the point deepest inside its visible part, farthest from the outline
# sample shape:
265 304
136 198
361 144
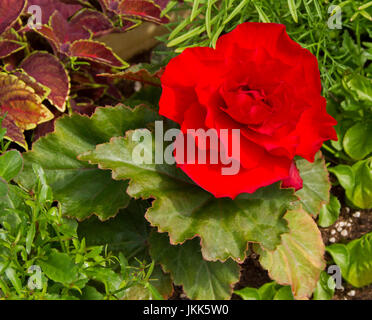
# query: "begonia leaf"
316 184
354 260
298 260
83 189
128 234
200 279
184 210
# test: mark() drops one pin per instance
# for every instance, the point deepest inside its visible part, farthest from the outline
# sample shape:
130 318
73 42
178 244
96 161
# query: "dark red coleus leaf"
60 33
162 3
72 38
143 9
10 43
50 72
48 7
83 106
139 73
13 132
97 52
10 10
8 47
91 20
65 32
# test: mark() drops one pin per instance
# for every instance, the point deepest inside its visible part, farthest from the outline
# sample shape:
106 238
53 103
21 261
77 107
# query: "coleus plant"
33 73
197 238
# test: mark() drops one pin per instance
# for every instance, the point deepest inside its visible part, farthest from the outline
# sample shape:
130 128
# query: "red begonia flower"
257 80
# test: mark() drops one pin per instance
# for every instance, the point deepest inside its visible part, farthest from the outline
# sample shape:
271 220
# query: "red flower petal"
315 127
294 180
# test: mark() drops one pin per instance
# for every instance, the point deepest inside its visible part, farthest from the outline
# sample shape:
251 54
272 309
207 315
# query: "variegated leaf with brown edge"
93 21
97 52
60 33
143 9
41 90
83 25
50 72
139 73
10 10
298 260
13 133
21 104
66 32
8 47
48 7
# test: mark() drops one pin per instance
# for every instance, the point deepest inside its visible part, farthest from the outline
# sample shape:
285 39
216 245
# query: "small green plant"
41 254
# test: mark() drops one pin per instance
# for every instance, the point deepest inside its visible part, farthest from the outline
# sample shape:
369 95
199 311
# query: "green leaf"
298 260
158 288
357 182
201 279
293 10
127 234
248 294
14 279
12 206
345 175
109 277
284 293
3 188
59 267
11 164
357 141
268 291
184 210
354 260
359 86
316 185
83 189
325 287
91 293
329 212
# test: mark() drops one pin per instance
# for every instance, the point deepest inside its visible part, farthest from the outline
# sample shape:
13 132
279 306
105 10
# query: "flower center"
245 105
